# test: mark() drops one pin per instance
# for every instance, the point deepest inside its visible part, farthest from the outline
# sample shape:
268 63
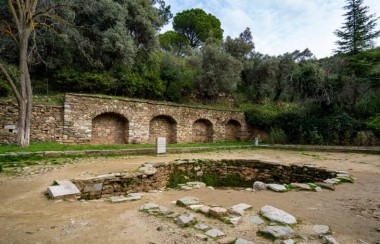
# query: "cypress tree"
358 30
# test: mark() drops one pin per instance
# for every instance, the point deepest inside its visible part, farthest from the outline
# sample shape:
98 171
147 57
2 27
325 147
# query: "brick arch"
109 128
233 130
202 131
163 126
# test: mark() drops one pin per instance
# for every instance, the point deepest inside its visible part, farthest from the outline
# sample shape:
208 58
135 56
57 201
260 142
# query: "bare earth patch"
352 211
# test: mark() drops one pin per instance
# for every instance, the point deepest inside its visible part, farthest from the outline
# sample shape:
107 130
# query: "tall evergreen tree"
358 30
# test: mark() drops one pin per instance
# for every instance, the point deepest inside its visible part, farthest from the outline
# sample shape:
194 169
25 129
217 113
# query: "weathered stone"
186 188
277 215
227 240
277 187
329 240
333 181
201 237
93 188
64 190
196 184
147 170
239 209
258 185
288 241
186 201
201 227
278 232
119 199
243 241
164 210
321 229
234 220
204 209
148 206
345 178
187 219
326 185
257 220
195 207
301 186
218 212
214 233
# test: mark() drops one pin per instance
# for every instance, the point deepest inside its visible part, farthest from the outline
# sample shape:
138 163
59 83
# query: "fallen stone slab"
214 233
288 241
164 211
186 219
277 215
257 220
326 185
333 181
186 201
258 185
218 212
196 184
227 240
239 209
278 232
186 188
119 199
329 240
64 190
201 227
234 220
243 241
277 187
204 209
301 186
345 178
195 207
148 206
201 237
321 229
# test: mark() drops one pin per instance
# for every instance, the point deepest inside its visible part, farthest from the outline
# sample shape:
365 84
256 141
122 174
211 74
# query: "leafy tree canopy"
197 26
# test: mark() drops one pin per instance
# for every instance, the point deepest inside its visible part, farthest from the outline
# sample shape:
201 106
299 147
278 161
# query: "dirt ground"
26 216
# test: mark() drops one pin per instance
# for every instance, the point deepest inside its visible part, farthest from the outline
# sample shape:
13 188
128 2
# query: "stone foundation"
243 173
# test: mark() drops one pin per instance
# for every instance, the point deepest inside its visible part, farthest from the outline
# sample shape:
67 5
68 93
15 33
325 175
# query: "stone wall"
46 123
148 120
100 120
155 176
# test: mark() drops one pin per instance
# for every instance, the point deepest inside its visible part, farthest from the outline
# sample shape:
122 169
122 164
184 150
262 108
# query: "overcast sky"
279 26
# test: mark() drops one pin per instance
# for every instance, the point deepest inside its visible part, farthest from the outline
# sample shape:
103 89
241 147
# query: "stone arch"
233 130
109 128
202 131
163 126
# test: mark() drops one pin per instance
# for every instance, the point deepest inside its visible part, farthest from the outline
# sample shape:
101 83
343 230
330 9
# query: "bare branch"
11 83
13 11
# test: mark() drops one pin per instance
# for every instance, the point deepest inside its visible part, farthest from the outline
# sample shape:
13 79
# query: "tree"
197 26
358 30
219 72
241 47
26 16
174 42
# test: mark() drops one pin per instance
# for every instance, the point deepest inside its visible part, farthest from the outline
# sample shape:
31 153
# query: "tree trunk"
25 103
277 96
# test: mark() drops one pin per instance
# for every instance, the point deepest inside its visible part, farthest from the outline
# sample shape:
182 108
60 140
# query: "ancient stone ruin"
102 120
219 173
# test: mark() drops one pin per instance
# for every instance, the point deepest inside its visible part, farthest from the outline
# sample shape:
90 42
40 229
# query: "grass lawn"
52 146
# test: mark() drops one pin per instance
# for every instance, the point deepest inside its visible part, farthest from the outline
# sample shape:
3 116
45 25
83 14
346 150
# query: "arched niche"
163 126
233 131
109 128
202 131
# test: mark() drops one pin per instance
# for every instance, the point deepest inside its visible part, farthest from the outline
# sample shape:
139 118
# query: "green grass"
53 146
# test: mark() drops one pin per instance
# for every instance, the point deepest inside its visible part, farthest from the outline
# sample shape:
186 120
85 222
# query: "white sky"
279 26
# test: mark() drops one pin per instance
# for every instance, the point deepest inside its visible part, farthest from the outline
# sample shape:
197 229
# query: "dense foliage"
114 48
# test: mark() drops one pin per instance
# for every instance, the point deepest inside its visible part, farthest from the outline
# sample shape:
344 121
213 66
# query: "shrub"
5 90
366 138
277 136
374 124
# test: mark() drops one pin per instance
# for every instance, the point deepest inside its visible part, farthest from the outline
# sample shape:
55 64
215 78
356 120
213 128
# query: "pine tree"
358 30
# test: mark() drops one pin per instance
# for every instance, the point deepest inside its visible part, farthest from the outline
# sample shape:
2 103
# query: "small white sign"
161 145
